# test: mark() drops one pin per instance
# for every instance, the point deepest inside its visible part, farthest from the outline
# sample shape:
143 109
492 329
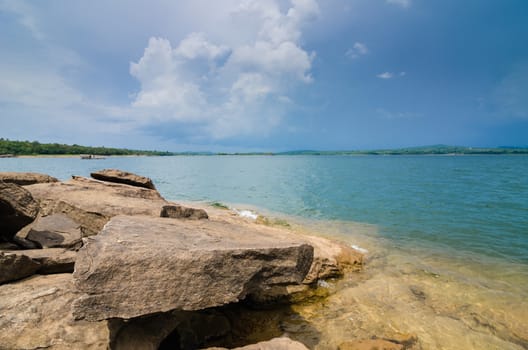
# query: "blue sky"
241 75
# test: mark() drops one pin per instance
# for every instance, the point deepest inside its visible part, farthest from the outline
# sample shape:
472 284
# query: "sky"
265 75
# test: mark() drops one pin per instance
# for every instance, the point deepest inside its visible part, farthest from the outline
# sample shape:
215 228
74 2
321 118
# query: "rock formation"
123 177
24 179
180 264
17 209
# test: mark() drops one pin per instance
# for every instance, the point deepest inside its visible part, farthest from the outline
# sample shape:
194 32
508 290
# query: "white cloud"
385 75
358 49
402 3
390 75
227 90
389 115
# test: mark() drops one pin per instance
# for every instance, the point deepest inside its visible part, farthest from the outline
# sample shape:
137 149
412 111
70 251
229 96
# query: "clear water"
447 235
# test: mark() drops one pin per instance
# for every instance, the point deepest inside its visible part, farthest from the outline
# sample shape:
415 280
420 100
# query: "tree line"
36 148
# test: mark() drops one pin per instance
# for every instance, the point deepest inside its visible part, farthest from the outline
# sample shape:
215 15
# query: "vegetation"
37 148
8 147
219 205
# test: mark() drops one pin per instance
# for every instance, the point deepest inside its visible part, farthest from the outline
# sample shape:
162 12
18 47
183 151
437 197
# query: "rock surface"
180 264
181 212
370 344
52 260
17 209
55 231
24 179
273 344
35 313
103 198
123 177
14 266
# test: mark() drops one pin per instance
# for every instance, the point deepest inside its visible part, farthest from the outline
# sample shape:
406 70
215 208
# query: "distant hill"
16 148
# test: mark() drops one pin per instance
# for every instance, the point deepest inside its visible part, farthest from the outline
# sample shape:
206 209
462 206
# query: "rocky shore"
107 263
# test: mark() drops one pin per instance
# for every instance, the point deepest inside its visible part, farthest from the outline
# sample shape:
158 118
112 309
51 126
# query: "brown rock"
331 259
24 179
15 266
104 199
275 344
36 314
370 344
123 177
52 260
170 330
140 265
17 209
181 212
56 231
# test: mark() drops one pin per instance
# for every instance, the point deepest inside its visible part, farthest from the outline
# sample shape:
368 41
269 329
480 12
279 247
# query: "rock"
104 199
123 177
140 265
179 212
55 231
171 330
282 343
8 246
370 344
15 266
36 314
405 339
17 209
331 259
24 179
52 260
90 223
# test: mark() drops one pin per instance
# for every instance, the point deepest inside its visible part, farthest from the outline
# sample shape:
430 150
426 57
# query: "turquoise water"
464 206
447 236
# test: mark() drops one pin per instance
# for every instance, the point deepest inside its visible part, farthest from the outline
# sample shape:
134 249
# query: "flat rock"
15 266
124 177
104 199
52 260
181 212
17 209
141 265
24 179
35 313
55 231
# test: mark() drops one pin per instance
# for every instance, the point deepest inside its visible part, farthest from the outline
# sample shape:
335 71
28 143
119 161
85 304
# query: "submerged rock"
123 177
36 314
24 179
139 265
15 266
17 209
370 344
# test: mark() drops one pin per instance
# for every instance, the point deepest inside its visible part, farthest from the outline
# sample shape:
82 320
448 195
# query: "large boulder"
36 314
24 179
141 265
105 199
17 209
15 266
56 231
52 260
123 177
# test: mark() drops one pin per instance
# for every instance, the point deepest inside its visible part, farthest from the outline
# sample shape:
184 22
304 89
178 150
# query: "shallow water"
447 236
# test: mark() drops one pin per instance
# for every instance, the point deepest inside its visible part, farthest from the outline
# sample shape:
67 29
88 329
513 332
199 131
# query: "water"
447 235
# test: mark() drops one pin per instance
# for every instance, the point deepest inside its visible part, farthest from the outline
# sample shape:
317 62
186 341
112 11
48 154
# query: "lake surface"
452 228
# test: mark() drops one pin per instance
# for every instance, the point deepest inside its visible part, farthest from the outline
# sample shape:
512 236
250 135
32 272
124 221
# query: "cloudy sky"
240 75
